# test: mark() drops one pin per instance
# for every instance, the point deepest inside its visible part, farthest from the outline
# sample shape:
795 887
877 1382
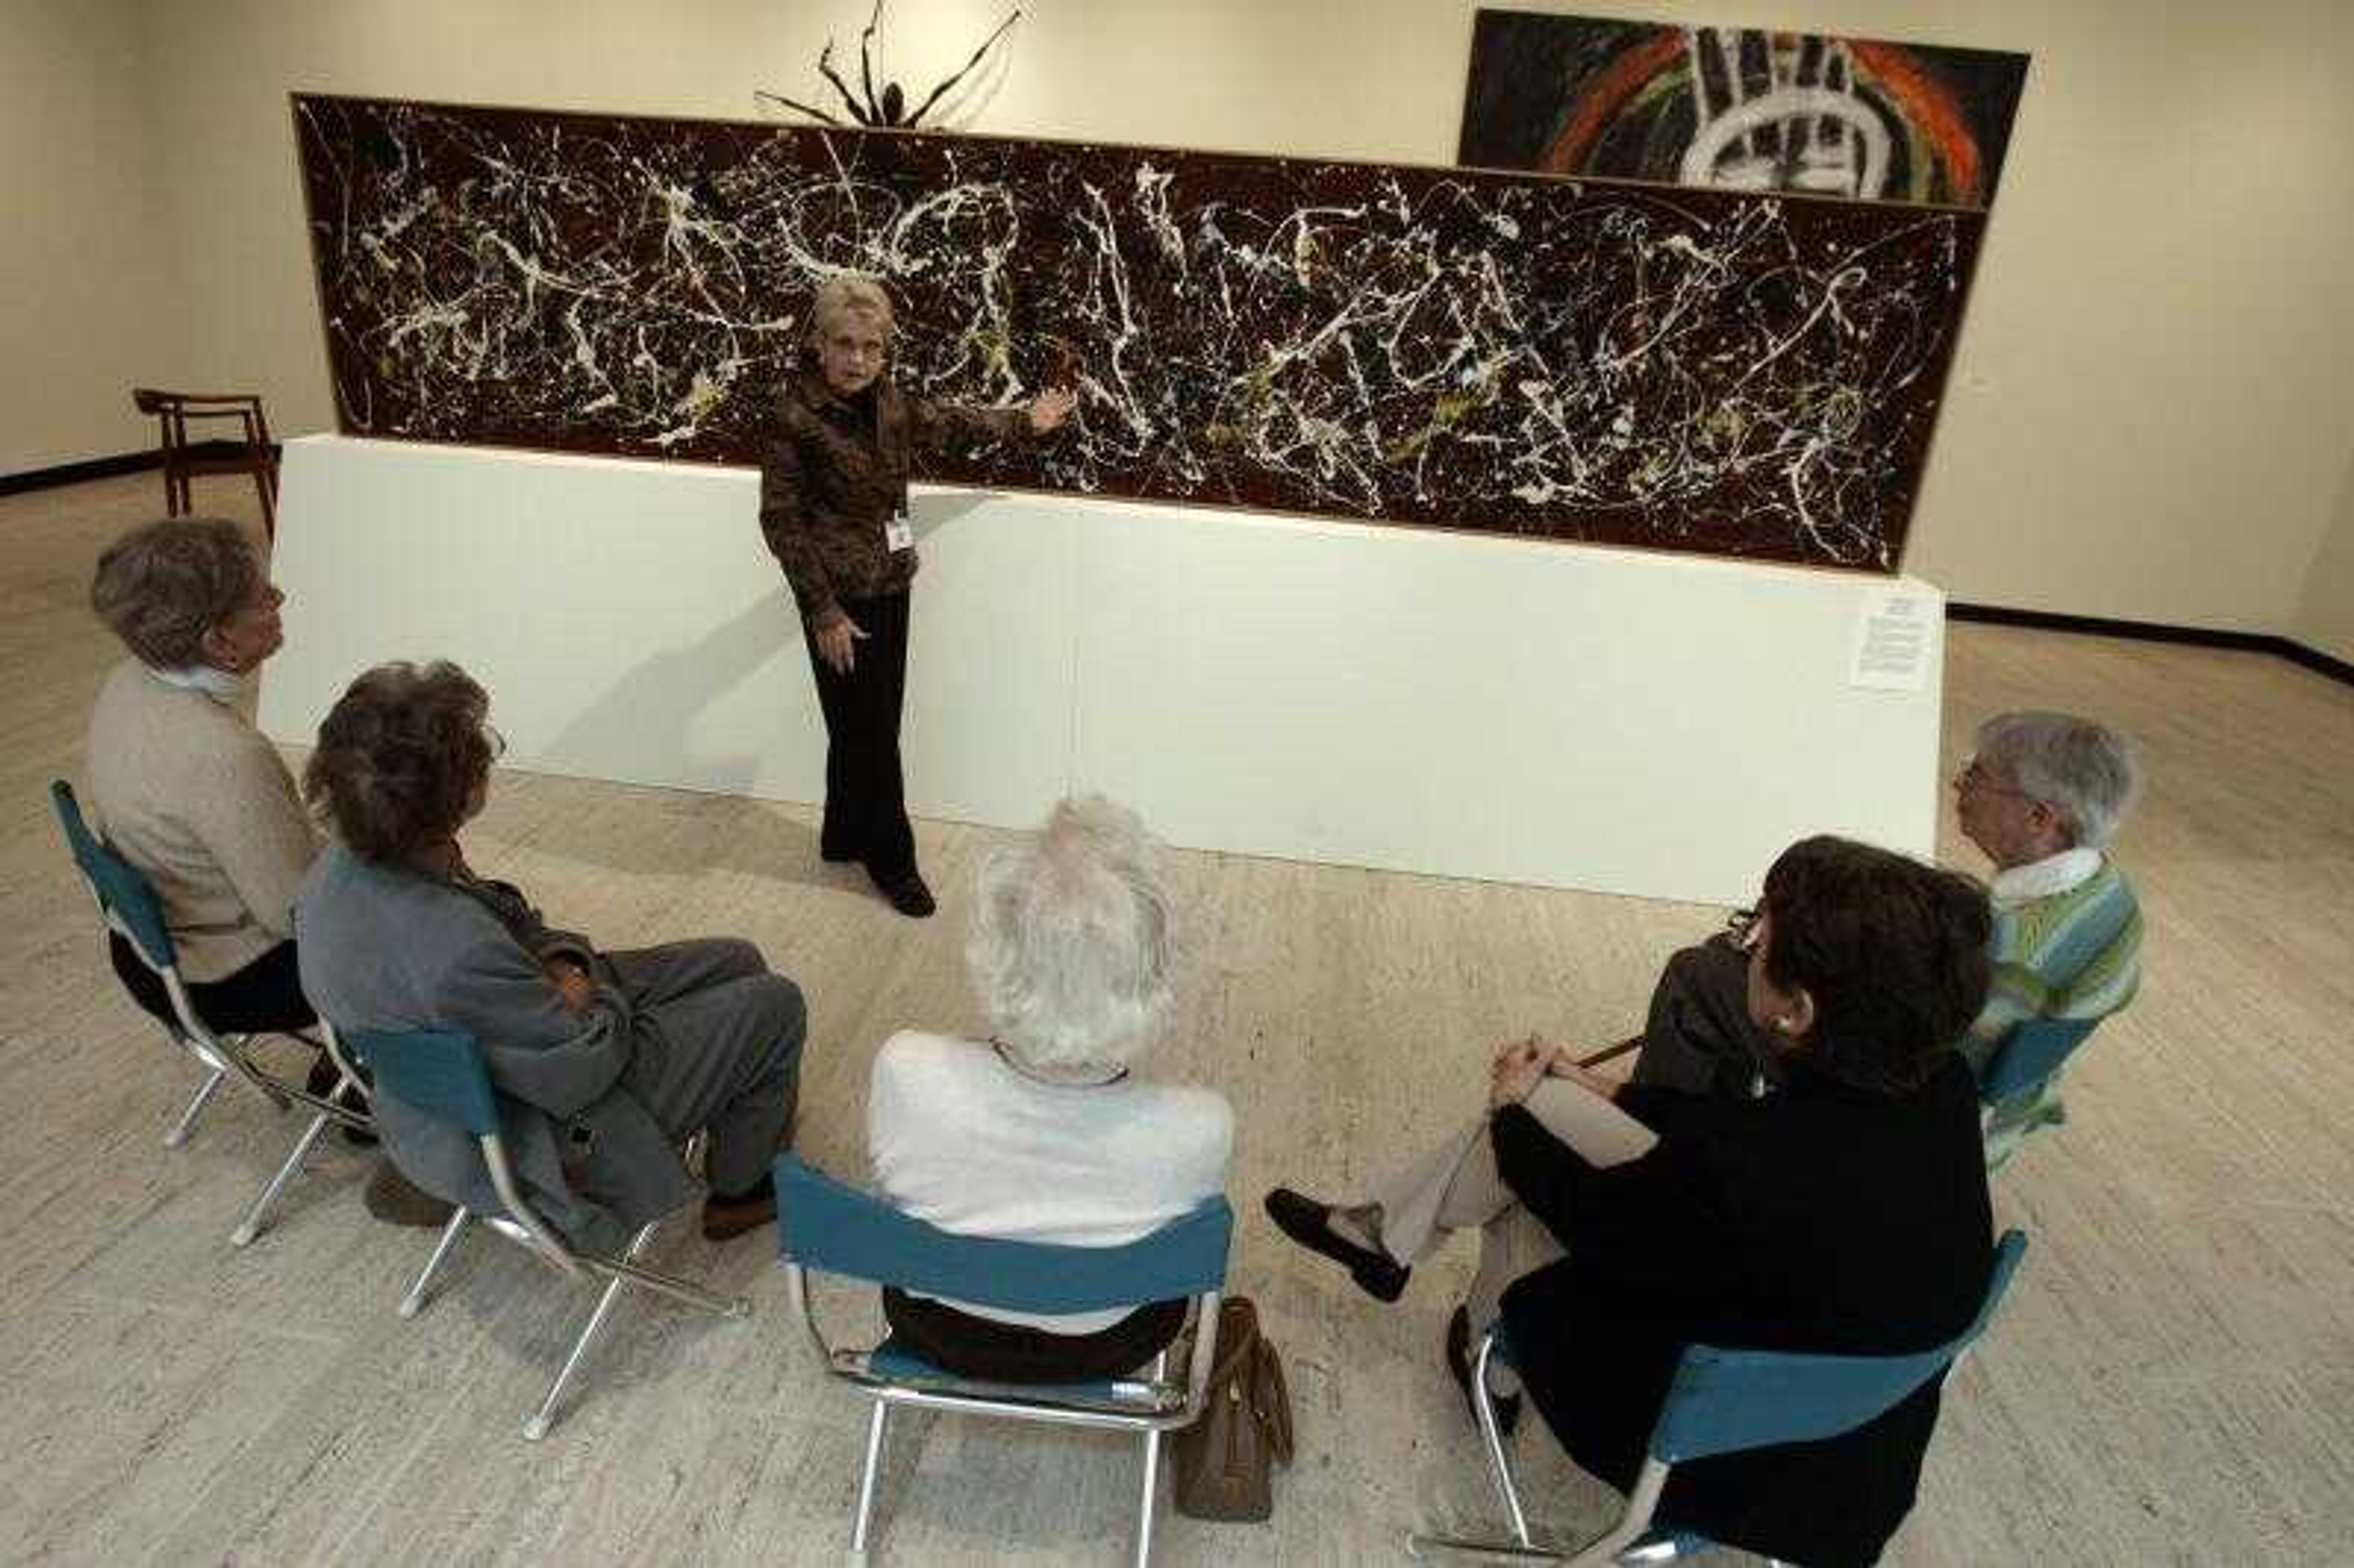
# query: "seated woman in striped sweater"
2042 795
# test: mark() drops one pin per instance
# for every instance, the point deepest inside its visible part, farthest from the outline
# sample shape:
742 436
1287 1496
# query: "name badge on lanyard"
897 532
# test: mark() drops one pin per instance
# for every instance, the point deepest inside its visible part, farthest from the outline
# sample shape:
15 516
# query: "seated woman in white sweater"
1041 1132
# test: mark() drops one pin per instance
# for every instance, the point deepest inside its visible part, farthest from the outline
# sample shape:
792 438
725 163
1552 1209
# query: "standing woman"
834 505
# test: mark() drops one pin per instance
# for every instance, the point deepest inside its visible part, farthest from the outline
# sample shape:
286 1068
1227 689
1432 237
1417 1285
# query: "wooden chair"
248 453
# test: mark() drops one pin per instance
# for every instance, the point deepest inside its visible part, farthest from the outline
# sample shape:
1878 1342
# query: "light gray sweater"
192 795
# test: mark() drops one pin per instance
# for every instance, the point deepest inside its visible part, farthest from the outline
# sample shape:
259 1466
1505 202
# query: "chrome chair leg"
874 1426
259 1214
668 1285
414 1302
537 1427
1522 1547
1144 1510
619 1272
187 1122
1421 1547
1500 1464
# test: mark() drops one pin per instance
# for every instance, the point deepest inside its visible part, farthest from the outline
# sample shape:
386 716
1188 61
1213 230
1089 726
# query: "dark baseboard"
78 472
110 466
2287 648
2315 660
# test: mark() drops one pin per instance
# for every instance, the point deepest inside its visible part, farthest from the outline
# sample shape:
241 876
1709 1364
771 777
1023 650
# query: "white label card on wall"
898 533
1895 627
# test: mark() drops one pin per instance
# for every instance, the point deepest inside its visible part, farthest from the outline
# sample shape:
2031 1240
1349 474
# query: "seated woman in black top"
1845 1212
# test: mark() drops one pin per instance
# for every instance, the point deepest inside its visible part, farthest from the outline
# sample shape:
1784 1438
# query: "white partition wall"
1449 704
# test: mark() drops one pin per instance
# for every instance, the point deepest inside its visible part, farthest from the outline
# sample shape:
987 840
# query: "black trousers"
1013 1353
866 796
263 997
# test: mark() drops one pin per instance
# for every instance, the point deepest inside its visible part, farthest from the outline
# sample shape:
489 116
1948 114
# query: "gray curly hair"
162 587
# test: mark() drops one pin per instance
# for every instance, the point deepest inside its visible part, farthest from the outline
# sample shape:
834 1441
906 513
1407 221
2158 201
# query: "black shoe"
908 895
1458 1361
725 1217
1310 1224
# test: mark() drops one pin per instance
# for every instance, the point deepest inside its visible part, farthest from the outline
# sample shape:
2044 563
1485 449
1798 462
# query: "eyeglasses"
1975 778
1741 927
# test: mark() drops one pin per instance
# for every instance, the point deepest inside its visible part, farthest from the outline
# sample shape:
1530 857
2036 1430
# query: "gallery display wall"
2150 411
1627 721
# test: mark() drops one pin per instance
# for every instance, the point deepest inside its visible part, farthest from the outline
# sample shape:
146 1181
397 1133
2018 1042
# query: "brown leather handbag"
1224 1459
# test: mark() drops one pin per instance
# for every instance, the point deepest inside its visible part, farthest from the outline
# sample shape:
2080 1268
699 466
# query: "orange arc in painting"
1599 104
1930 106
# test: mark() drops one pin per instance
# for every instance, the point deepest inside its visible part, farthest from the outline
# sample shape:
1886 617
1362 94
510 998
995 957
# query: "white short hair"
1070 946
2087 772
847 294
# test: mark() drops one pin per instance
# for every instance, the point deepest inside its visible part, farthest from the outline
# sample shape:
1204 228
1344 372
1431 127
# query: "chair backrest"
825 1224
1725 1400
2036 1049
439 1073
122 890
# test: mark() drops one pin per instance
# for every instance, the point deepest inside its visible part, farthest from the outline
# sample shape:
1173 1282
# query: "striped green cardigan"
2073 954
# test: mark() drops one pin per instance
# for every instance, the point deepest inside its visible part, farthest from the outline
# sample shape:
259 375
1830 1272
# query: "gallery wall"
91 297
2150 414
2326 619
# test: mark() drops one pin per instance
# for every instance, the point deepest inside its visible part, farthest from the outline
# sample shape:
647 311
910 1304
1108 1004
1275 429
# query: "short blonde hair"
847 294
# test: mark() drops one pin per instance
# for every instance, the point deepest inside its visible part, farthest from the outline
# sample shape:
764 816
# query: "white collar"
2044 878
216 684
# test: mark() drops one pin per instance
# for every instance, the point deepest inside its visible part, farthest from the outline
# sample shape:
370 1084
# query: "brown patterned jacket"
833 477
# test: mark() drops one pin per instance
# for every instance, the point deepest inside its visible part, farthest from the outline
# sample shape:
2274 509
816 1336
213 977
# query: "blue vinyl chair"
128 907
1721 1401
2015 1089
832 1228
440 1073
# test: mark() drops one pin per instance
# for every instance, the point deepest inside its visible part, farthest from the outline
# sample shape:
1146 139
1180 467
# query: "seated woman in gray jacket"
614 1058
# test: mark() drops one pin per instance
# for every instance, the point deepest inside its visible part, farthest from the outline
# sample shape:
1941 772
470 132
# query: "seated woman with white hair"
1044 1132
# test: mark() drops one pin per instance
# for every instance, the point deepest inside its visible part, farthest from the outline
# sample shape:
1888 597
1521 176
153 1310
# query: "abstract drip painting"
1739 107
1733 373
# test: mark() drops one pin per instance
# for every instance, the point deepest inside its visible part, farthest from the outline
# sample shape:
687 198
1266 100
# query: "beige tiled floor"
2174 1380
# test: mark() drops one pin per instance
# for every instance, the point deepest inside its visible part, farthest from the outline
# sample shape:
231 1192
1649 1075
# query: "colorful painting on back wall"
1745 108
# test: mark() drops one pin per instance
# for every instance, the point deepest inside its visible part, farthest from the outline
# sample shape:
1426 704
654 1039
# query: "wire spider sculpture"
886 109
